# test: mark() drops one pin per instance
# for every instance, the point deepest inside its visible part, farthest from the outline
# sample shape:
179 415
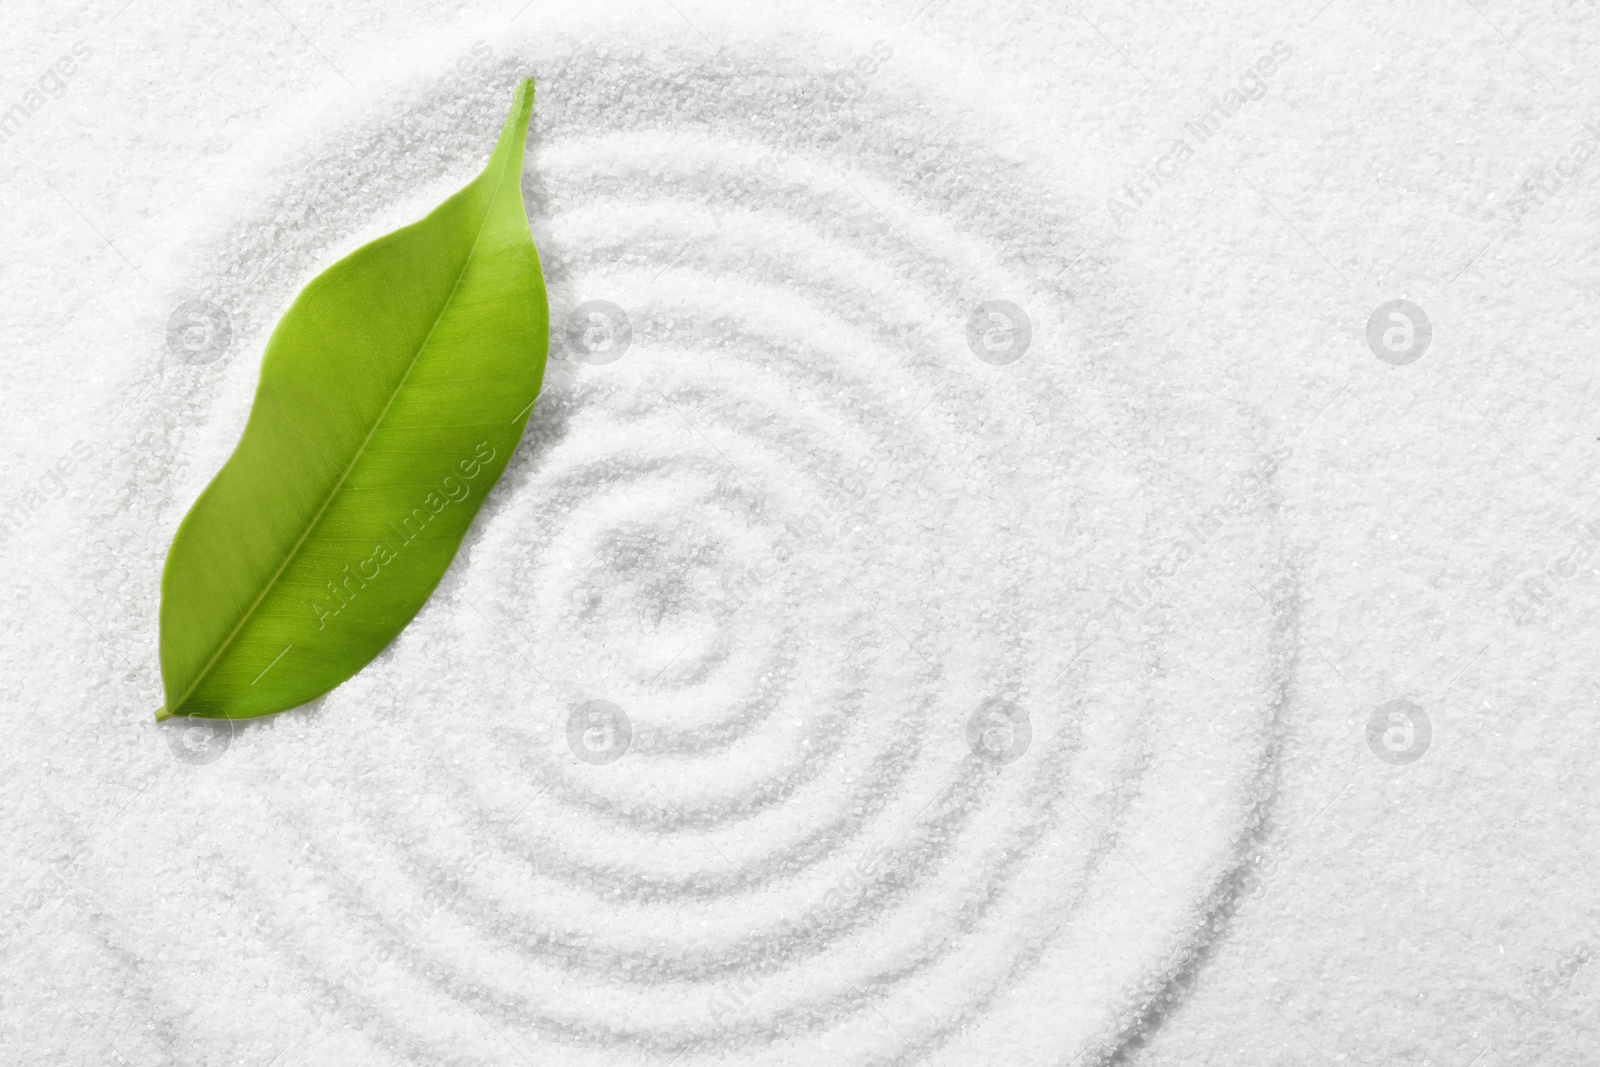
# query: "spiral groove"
772 714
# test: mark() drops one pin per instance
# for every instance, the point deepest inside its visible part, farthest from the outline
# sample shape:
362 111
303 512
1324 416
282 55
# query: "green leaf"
392 395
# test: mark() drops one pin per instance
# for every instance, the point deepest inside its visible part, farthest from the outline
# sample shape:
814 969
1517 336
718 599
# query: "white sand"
801 533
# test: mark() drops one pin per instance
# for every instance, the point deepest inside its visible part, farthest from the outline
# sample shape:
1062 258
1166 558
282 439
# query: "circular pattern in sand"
823 683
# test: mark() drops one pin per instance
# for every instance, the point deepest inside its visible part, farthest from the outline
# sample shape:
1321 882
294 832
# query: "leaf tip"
522 102
514 135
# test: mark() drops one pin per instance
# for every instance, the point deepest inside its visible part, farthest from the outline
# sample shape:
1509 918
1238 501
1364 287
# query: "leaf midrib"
294 551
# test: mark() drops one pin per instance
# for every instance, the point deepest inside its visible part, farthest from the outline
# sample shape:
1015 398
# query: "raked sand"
888 646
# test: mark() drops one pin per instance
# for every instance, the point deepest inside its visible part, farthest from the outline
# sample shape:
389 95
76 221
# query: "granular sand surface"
945 608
